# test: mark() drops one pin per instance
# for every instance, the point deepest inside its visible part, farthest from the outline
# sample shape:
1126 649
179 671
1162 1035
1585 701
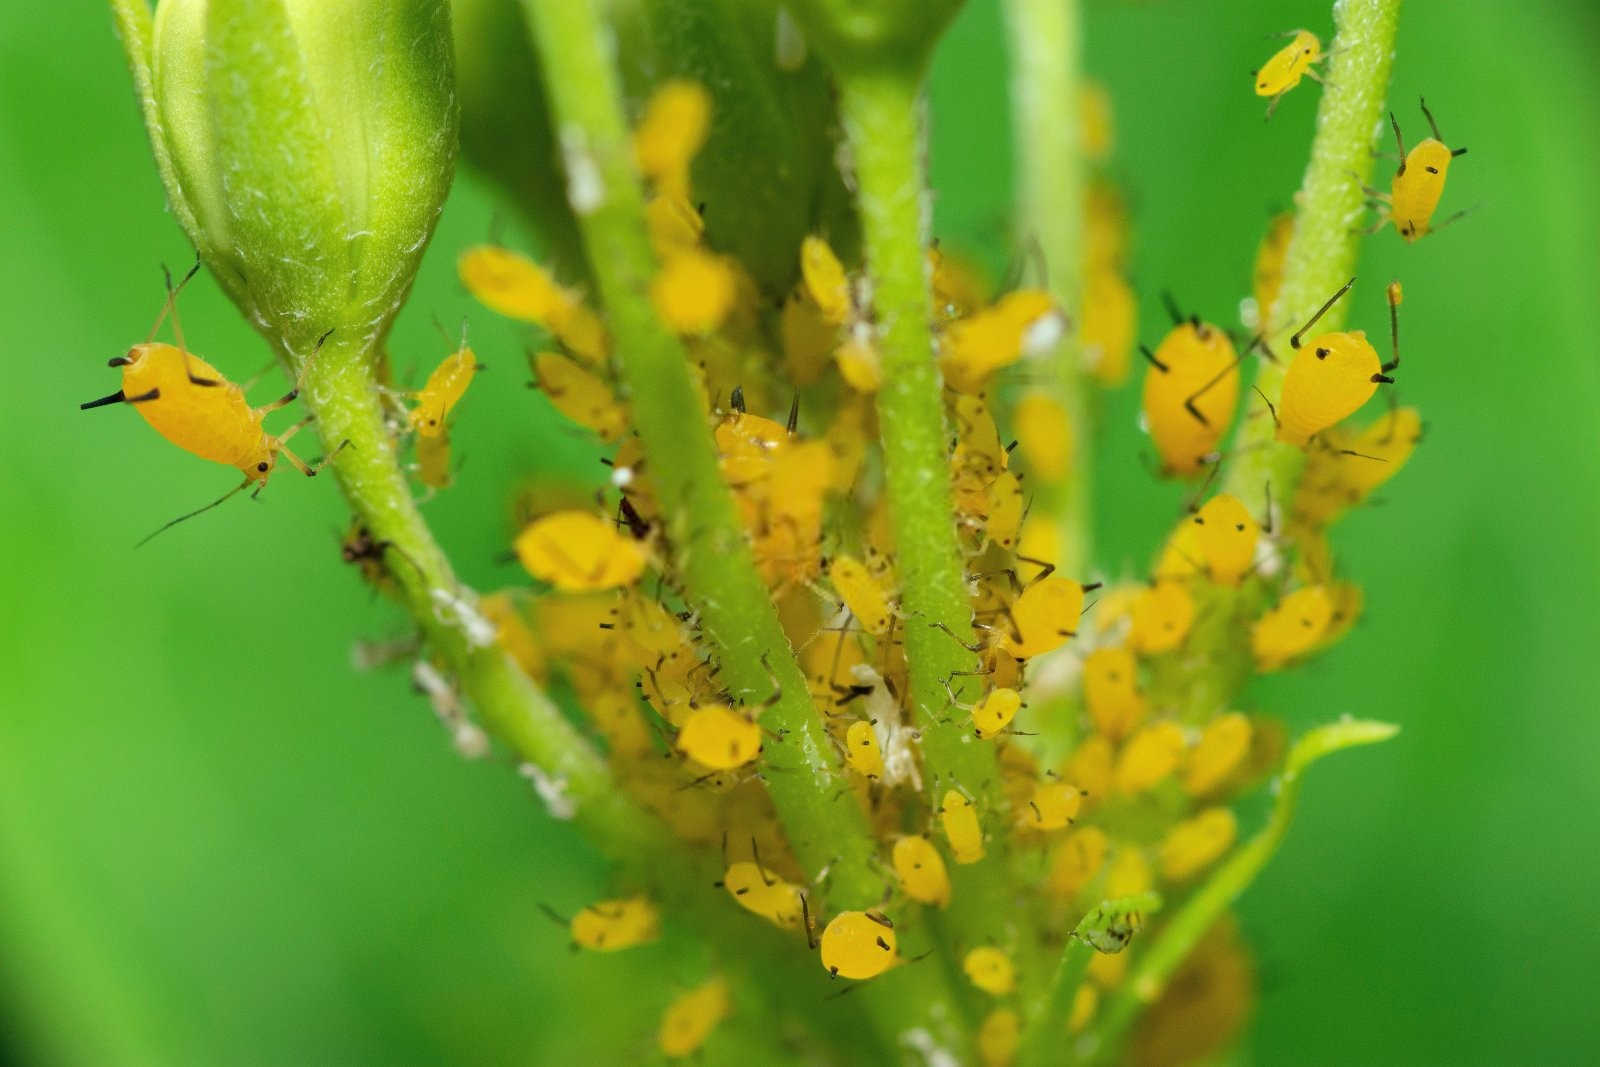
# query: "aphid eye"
262 466
1322 353
1198 521
1239 527
1433 170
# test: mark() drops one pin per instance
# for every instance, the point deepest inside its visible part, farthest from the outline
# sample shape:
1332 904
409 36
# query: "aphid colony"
1140 801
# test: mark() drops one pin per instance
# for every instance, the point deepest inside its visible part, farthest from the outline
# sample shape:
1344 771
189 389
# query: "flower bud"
306 146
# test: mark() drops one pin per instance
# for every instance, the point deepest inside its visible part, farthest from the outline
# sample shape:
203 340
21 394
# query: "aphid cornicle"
1190 393
1333 374
1287 66
1419 182
193 405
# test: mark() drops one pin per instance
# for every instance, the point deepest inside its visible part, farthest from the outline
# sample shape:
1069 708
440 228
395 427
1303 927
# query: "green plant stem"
1150 973
804 773
1045 39
340 390
1048 1013
881 111
1327 233
1207 676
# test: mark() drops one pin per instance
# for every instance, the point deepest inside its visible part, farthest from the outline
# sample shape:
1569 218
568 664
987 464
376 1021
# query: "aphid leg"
282 402
177 326
1272 410
1294 341
1188 401
1394 327
1046 567
1272 105
974 647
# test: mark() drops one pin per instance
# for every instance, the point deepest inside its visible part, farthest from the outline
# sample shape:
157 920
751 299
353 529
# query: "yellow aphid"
1221 750
758 891
1106 969
1419 183
1353 466
1090 766
1023 322
1043 617
991 970
1094 108
1293 628
578 551
613 925
861 751
674 224
1267 276
858 944
513 285
1288 65
1111 691
1006 508
1110 319
433 461
995 711
443 390
921 871
1084 1004
1148 757
999 1037
690 1018
1053 807
194 406
1128 875
867 600
581 396
694 291
825 280
958 290
675 123
1332 374
1162 615
859 363
512 633
1077 860
510 284
1194 844
1225 536
719 737
959 817
1043 435
1190 393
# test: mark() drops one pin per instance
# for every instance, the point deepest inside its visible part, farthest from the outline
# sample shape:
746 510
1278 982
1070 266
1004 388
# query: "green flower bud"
306 147
876 33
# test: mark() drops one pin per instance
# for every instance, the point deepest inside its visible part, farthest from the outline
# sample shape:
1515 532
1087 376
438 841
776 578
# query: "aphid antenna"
197 511
1294 339
554 916
1169 302
1270 409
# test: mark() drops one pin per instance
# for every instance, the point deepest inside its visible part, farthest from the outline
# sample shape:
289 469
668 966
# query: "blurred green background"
219 844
